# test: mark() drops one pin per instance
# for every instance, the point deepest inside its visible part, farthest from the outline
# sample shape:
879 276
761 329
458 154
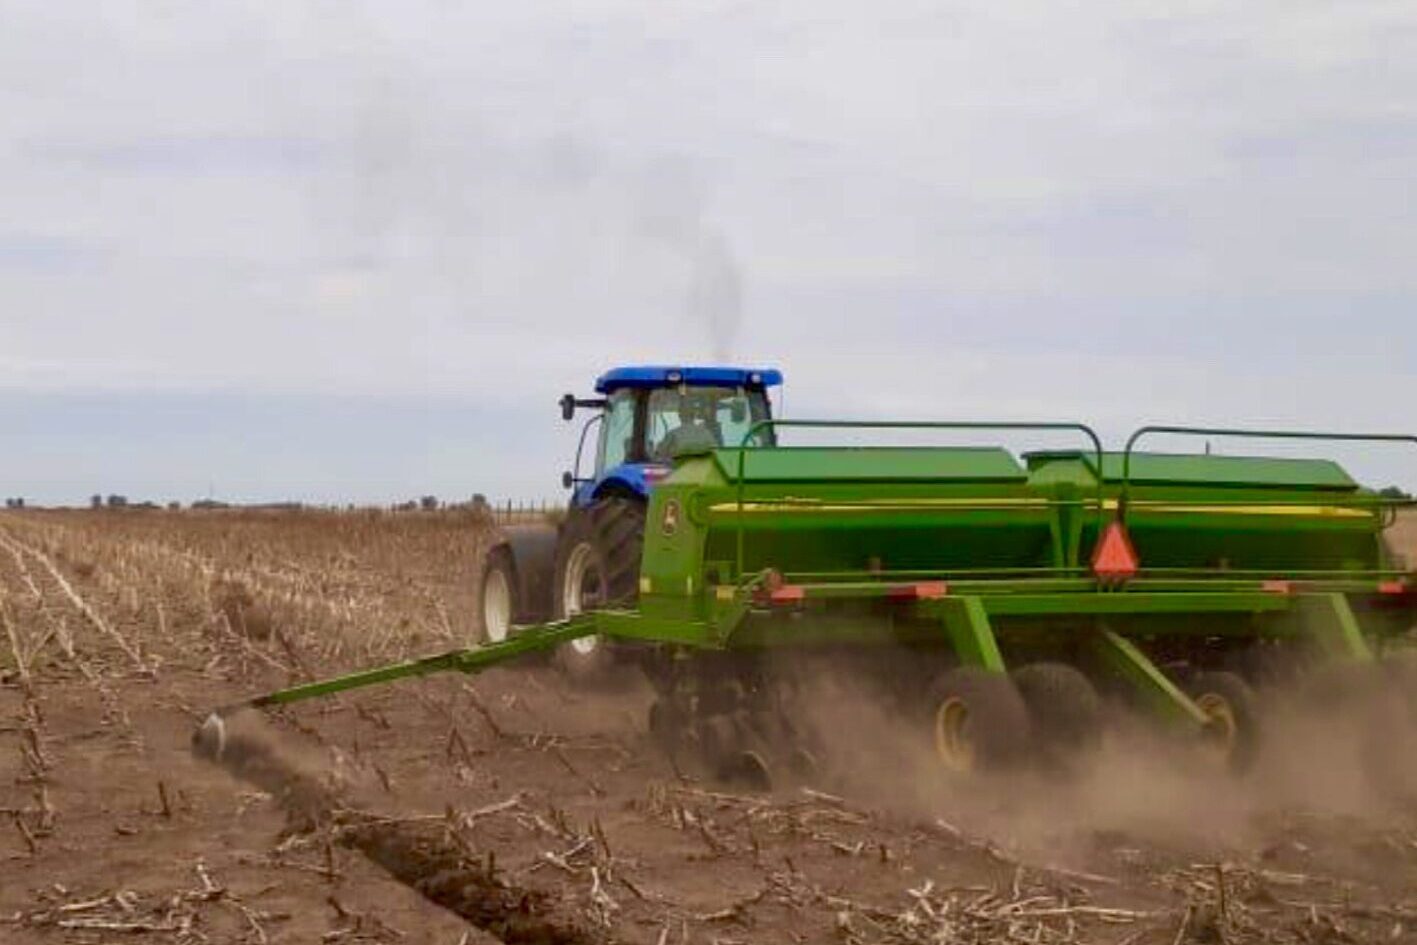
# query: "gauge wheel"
1232 718
978 721
1064 710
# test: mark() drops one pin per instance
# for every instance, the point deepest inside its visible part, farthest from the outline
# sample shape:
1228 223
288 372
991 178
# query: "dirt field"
543 814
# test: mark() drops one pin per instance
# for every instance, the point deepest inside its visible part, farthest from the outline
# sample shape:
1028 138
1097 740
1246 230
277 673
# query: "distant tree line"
428 503
115 501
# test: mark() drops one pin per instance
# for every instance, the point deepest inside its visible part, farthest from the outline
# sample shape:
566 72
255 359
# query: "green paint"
463 661
967 626
1164 469
1197 601
1163 697
873 464
862 530
1329 620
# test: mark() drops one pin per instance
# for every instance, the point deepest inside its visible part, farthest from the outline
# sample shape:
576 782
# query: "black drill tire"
996 726
1239 700
1063 708
614 528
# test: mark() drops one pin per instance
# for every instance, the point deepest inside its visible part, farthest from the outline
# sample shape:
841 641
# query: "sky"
354 252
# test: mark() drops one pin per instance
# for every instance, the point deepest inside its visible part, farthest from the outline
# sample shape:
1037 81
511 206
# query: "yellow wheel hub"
1222 730
952 742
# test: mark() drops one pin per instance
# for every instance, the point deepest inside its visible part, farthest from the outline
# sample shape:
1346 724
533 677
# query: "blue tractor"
642 419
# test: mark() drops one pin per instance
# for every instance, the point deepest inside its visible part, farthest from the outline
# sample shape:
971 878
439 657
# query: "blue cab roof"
647 376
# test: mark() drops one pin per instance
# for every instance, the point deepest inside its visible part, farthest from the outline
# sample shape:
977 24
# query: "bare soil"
510 807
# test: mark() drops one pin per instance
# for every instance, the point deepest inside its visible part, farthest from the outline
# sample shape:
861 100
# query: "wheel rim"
952 742
585 646
496 606
1222 730
580 570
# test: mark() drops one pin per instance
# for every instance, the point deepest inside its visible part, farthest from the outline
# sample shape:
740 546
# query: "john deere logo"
670 523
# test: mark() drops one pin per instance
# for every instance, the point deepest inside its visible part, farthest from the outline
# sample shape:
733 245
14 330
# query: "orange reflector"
932 590
787 594
921 590
1114 558
775 590
1277 587
1392 587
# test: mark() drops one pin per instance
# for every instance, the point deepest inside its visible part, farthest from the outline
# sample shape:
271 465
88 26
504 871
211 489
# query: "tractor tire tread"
1063 705
614 527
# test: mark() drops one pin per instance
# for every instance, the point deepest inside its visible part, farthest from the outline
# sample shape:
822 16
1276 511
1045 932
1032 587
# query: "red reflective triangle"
1114 558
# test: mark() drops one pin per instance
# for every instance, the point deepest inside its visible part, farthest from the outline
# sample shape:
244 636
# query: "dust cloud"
1321 754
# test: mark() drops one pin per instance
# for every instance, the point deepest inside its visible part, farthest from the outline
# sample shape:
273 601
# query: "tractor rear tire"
497 597
1063 708
1231 705
597 565
978 721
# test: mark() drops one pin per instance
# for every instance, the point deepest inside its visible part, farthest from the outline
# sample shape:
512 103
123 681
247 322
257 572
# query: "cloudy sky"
355 251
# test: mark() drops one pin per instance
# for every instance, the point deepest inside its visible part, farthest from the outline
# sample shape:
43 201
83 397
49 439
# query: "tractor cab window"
691 419
617 431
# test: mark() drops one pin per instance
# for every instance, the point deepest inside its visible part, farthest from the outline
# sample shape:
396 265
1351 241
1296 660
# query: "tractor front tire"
597 566
497 596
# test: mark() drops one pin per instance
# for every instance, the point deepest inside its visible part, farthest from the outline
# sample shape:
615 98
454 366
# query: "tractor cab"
647 416
643 418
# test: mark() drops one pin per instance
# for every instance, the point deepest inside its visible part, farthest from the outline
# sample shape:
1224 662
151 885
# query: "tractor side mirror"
570 402
567 480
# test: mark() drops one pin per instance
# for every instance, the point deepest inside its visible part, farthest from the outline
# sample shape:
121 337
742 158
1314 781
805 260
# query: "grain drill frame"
1172 579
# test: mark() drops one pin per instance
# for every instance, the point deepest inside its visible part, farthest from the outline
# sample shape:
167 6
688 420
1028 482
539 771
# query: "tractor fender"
627 479
532 549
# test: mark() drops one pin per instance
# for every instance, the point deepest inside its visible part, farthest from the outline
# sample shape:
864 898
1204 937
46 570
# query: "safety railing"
1124 498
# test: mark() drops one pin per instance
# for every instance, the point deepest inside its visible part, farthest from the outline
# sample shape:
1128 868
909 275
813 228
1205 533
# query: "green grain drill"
992 600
